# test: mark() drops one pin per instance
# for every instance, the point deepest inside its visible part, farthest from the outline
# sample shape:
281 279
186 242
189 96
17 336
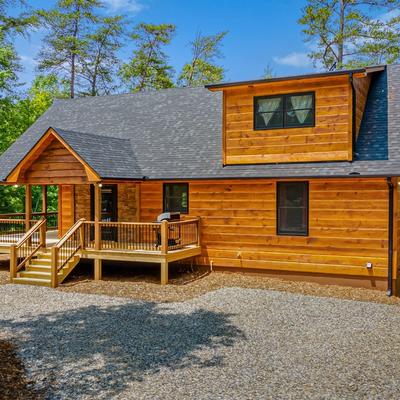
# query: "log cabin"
295 177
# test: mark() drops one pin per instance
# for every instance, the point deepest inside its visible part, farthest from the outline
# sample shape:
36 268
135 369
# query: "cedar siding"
347 225
329 140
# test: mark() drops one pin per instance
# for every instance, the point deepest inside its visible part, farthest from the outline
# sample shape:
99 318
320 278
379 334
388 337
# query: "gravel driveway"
228 344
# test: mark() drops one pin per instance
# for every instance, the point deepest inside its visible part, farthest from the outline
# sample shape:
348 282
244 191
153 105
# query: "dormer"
309 118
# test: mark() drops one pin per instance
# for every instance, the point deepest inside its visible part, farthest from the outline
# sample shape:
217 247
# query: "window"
292 208
176 197
284 111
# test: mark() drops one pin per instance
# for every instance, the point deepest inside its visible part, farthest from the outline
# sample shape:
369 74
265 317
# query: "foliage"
268 72
101 61
348 33
148 68
201 70
66 44
15 117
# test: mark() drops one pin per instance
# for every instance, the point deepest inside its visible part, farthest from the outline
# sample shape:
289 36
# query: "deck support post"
97 216
164 272
28 207
98 269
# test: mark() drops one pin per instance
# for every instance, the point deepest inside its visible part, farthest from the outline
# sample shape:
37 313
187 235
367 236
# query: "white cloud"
27 60
131 6
386 17
293 59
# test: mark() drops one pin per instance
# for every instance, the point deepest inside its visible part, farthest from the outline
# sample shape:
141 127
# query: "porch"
39 257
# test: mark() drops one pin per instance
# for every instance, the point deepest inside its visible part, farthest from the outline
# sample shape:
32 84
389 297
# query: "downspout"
389 291
353 114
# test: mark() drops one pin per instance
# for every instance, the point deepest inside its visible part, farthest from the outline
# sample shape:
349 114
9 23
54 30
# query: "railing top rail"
184 221
70 232
16 221
30 232
23 214
124 223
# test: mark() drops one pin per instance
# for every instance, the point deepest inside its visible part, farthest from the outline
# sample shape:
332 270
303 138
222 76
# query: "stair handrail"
26 243
57 262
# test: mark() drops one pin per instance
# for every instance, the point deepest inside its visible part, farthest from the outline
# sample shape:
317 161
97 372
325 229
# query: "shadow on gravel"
97 351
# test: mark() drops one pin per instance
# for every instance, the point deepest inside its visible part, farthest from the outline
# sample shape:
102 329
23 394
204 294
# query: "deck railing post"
13 262
54 262
97 217
82 236
42 234
164 237
198 232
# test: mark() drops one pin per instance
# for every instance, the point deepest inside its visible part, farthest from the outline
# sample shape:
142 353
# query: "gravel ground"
232 343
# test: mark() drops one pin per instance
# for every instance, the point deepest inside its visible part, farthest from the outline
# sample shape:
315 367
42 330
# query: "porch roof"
177 134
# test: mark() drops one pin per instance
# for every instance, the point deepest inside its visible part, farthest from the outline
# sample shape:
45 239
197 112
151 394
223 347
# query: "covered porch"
98 218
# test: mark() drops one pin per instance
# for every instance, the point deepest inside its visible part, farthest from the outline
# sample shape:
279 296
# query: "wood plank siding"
55 165
348 222
329 140
66 208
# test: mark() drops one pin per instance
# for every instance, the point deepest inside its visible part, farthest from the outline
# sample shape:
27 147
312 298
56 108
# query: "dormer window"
284 111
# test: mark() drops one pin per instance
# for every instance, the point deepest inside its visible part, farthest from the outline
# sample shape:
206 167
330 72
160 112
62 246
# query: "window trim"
164 195
306 233
283 96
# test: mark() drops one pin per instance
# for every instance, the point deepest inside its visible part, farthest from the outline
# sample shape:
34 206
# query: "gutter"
389 291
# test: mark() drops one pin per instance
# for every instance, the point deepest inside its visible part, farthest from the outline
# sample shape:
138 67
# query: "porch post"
28 207
97 216
44 201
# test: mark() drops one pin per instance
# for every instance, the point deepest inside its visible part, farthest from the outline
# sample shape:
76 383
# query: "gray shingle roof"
176 134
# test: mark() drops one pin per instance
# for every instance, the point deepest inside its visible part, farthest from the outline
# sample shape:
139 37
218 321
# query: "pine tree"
66 44
101 62
148 68
202 70
349 33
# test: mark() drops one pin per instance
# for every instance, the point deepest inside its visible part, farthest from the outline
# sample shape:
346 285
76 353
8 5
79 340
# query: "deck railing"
27 247
142 236
11 230
66 248
51 218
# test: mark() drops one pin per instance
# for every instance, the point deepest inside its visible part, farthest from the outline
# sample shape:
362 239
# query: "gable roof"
177 134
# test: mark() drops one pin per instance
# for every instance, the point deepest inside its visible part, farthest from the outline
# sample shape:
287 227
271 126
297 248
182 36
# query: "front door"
109 210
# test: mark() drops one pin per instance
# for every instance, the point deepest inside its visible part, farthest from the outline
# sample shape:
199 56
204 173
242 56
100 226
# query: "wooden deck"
42 255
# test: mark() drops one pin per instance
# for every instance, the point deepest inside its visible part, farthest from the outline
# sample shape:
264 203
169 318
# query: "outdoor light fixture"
15 186
369 265
100 185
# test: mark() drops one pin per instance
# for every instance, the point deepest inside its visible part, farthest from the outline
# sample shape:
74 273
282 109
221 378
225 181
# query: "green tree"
148 68
268 72
101 62
350 33
66 44
10 25
15 117
202 70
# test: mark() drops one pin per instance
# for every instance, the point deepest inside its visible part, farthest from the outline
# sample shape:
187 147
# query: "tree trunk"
72 81
341 35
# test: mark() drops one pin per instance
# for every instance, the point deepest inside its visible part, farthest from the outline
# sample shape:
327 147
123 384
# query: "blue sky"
261 32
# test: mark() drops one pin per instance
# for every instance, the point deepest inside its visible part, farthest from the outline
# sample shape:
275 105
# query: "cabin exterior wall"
348 226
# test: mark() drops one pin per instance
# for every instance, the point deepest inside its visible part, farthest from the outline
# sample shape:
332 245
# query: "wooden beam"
164 272
28 207
97 217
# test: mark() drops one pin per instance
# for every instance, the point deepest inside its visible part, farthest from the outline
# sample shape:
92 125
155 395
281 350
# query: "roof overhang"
34 153
360 72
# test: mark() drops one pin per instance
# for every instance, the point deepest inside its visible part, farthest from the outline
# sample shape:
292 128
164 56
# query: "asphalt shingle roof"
177 134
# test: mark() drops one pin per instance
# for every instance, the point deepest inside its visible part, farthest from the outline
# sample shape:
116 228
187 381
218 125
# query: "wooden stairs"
38 269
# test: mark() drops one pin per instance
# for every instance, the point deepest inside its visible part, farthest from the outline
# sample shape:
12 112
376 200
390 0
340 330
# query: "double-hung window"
292 208
284 111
